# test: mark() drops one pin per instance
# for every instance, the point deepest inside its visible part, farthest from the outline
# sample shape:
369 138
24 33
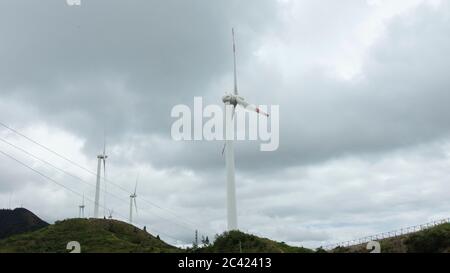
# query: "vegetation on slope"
102 236
432 240
236 242
94 235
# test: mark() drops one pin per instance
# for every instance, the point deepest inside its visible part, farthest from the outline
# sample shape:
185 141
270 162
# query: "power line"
46 148
41 174
179 218
80 179
81 167
54 166
64 186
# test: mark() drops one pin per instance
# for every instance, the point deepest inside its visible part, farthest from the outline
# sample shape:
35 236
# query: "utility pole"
196 237
195 244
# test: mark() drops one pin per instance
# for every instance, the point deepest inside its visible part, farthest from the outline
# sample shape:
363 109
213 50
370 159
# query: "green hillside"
432 240
101 235
236 241
104 236
94 235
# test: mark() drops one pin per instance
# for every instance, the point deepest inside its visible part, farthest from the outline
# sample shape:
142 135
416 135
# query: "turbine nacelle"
238 100
232 99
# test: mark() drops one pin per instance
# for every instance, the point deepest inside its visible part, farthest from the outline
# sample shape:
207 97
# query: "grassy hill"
432 240
94 235
24 232
104 236
236 241
101 235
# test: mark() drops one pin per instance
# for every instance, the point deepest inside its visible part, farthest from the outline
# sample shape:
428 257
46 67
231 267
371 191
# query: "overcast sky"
363 90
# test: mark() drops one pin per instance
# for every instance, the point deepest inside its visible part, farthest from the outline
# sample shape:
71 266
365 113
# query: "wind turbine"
133 200
81 209
110 216
104 175
101 158
233 99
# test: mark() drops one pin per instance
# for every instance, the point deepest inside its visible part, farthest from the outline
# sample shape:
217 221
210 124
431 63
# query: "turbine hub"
231 99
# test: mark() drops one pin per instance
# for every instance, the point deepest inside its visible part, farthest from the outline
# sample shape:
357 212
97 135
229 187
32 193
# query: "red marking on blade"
261 112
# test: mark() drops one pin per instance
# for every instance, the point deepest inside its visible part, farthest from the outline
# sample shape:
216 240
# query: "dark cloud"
399 100
121 67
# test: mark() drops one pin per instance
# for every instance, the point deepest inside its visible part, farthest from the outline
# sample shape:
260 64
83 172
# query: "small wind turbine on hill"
133 200
110 216
233 99
81 209
101 158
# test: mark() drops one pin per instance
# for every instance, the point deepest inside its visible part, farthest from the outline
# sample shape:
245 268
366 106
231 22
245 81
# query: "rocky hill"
18 221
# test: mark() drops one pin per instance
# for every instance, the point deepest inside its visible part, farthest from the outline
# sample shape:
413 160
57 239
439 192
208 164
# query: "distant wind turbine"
105 195
101 158
110 216
133 200
81 209
233 99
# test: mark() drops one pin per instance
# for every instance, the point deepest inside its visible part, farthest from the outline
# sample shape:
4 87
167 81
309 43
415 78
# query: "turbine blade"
251 107
234 63
135 185
104 143
135 205
223 149
104 170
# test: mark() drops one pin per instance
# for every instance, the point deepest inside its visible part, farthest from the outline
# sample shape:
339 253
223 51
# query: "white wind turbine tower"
133 200
233 99
81 209
100 158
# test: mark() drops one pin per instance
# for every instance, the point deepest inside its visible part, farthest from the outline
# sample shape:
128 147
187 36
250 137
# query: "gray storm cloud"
120 67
